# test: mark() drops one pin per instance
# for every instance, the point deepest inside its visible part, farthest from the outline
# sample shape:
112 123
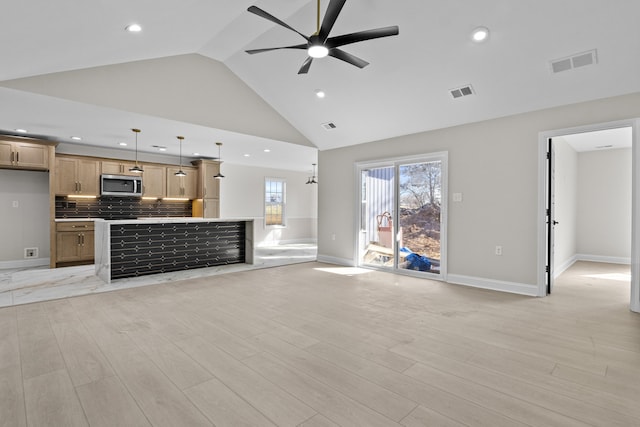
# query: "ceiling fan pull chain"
318 20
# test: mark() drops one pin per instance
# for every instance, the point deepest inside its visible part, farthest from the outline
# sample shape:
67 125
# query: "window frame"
282 203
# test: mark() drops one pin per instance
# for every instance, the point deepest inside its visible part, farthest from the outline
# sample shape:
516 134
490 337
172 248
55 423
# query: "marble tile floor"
24 286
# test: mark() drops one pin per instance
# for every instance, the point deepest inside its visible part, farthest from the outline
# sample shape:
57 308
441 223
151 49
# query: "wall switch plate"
498 250
457 197
15 204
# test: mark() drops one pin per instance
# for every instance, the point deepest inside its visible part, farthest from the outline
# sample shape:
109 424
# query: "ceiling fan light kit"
319 44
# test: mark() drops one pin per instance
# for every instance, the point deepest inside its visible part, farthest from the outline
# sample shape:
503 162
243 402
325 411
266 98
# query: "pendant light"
312 180
219 175
136 168
180 172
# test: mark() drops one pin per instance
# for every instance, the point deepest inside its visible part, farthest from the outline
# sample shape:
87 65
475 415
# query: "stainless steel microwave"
121 185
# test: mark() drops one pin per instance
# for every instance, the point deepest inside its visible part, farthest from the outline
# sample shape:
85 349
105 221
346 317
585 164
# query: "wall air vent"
459 92
574 61
329 126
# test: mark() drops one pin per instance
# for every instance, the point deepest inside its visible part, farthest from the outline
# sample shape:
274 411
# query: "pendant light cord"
318 19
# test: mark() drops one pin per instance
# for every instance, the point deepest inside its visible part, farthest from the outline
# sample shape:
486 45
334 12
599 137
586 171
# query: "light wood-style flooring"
319 345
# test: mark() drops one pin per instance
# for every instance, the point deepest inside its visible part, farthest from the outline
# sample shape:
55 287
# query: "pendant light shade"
312 179
219 175
180 171
136 168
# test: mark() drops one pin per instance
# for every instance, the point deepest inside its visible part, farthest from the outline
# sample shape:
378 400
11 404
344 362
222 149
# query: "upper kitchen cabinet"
208 186
117 167
18 154
77 176
184 187
154 181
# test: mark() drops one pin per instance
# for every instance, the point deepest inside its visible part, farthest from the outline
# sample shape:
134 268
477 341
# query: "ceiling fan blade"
330 16
266 15
305 65
298 46
361 36
347 57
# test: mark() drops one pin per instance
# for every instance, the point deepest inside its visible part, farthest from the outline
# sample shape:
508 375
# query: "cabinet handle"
12 156
17 157
78 240
79 226
82 239
80 186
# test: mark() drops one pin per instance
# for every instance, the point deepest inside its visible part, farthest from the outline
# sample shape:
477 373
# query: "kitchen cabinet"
154 181
75 242
182 186
208 189
77 176
117 167
23 155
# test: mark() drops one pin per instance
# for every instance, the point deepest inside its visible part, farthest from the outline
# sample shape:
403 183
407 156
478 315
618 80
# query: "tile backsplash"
120 208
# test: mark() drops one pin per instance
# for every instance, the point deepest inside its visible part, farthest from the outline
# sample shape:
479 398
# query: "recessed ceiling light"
21 130
196 154
480 34
133 28
124 144
76 138
267 150
320 93
247 155
162 149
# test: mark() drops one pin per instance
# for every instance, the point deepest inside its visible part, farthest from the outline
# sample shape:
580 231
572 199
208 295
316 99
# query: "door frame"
544 185
395 162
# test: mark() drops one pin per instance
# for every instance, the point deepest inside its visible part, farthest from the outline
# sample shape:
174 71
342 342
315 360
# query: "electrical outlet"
31 252
498 250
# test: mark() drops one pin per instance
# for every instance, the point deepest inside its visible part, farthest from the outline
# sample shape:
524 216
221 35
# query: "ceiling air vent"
329 126
575 61
462 91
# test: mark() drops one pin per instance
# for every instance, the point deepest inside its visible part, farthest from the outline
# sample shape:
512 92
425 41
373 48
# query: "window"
274 202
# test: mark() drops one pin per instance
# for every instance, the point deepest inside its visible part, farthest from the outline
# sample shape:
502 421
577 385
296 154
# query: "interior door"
551 222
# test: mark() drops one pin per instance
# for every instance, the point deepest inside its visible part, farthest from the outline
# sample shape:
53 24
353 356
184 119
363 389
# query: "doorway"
402 221
588 198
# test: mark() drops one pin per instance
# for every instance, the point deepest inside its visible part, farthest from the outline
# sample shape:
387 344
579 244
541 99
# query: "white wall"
493 163
26 226
242 195
604 204
566 204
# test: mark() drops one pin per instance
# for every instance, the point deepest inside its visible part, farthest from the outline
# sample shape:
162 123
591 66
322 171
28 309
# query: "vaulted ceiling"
69 67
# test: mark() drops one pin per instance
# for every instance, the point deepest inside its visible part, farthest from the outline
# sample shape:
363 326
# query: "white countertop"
154 219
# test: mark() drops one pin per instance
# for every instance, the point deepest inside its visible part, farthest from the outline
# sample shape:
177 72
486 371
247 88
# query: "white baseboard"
286 242
605 259
558 270
494 285
337 261
24 263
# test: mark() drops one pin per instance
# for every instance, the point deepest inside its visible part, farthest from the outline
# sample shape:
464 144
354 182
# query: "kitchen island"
136 247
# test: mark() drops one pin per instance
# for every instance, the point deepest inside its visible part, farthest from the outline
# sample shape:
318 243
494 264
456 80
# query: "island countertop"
135 247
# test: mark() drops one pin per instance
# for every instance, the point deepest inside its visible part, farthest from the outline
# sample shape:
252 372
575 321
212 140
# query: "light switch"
457 197
15 204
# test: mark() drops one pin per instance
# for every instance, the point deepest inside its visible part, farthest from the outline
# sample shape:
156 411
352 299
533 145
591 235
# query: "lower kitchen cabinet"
74 242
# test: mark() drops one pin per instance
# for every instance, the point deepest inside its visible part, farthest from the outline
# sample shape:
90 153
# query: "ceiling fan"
319 44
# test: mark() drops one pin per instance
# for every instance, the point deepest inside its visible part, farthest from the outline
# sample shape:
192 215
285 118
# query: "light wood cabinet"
154 181
23 155
208 189
117 167
77 176
75 242
182 186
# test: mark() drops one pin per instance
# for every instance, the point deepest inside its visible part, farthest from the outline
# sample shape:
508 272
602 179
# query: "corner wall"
493 163
25 226
242 196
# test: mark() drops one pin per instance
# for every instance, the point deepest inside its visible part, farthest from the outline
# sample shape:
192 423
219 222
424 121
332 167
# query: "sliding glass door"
402 215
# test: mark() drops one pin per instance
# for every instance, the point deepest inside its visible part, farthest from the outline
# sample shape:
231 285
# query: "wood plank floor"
303 345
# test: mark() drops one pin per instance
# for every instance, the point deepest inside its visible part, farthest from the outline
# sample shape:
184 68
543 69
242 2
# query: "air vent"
575 61
329 126
459 92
